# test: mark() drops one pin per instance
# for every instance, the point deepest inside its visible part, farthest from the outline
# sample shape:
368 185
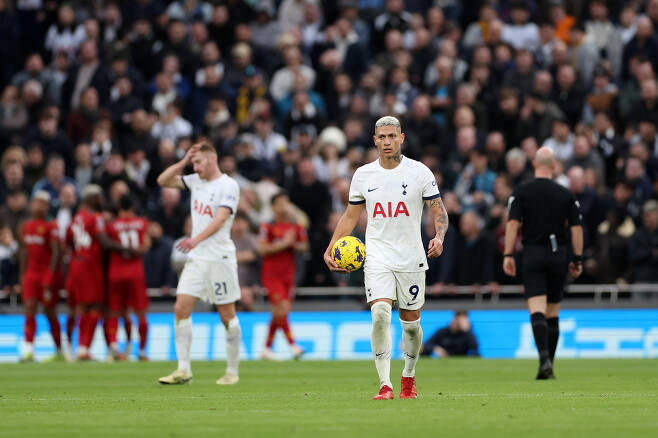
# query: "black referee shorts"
544 272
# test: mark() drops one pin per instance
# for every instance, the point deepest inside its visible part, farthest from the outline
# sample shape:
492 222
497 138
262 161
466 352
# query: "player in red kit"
39 256
85 280
278 242
126 278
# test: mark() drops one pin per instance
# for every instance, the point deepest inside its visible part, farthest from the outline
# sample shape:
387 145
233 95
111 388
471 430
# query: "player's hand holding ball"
346 255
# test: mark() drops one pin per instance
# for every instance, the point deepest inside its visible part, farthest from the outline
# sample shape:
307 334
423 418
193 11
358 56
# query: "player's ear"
402 137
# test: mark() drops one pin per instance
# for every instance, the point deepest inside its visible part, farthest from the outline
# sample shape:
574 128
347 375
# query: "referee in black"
545 211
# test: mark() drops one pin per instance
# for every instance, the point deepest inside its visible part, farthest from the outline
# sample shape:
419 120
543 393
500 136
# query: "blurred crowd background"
288 91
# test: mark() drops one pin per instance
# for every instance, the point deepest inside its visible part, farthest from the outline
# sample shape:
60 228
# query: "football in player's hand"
349 253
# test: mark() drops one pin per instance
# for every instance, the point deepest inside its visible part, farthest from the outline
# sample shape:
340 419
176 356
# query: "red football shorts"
124 294
32 289
85 283
279 287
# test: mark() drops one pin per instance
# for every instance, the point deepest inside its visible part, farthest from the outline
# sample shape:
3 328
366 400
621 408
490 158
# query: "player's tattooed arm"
397 157
440 214
440 217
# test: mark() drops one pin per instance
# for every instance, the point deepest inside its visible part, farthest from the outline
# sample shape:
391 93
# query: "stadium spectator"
170 213
643 246
157 260
14 210
473 253
80 122
246 245
54 180
457 339
68 197
64 36
8 264
51 139
13 114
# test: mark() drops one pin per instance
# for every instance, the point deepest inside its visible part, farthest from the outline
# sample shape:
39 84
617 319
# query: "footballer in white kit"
393 189
211 271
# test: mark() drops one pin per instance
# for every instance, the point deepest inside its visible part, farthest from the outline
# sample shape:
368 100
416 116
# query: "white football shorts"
407 288
213 282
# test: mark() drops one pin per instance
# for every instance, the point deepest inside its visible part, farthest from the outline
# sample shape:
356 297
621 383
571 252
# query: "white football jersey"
394 201
207 197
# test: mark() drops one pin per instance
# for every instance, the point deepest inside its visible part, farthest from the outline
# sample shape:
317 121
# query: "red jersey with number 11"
130 232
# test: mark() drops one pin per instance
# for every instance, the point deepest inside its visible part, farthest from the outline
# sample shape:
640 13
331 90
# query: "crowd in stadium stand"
288 91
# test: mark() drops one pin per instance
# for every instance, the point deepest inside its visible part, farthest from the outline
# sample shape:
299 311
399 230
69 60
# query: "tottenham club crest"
404 188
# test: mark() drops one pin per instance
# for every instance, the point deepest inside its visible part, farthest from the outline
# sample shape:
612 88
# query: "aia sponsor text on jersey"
386 211
202 209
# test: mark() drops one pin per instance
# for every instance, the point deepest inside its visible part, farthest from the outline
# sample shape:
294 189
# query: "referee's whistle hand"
435 248
509 266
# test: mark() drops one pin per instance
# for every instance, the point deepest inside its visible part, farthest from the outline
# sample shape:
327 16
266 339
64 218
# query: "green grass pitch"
458 398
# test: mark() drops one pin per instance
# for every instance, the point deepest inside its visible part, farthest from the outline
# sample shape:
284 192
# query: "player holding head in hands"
393 190
211 271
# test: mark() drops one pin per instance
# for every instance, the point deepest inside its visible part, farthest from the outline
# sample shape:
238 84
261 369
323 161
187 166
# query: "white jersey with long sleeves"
207 197
394 200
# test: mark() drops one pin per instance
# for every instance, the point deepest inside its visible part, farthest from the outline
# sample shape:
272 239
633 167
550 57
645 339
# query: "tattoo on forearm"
440 219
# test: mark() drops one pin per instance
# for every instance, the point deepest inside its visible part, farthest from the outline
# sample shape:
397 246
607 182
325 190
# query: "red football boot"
408 387
386 393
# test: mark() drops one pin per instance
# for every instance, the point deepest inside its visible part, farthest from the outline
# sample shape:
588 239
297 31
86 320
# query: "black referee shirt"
544 207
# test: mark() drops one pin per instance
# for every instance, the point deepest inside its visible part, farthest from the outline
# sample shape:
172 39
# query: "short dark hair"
126 202
277 196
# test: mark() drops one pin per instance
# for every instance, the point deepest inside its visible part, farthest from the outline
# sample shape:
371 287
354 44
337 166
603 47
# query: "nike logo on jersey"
372 190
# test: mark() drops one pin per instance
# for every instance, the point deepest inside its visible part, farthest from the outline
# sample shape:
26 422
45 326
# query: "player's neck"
126 214
280 219
215 174
390 162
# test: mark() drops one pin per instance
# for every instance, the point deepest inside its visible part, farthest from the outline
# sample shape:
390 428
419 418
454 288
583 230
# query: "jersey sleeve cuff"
362 201
427 198
184 183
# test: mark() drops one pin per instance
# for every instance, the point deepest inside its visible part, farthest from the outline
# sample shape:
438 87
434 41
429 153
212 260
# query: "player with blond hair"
211 271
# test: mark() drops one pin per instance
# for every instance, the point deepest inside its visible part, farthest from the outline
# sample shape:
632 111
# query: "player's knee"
381 314
411 328
30 307
181 310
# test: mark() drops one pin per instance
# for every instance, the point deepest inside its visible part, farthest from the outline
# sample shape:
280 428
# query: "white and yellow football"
349 253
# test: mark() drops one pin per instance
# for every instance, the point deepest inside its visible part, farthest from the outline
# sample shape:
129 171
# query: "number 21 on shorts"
220 289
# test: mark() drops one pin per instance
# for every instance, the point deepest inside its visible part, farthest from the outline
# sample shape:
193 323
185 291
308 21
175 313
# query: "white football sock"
381 341
29 348
412 339
183 329
233 340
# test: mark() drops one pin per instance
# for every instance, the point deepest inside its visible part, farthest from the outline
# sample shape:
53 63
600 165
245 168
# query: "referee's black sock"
553 335
540 330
